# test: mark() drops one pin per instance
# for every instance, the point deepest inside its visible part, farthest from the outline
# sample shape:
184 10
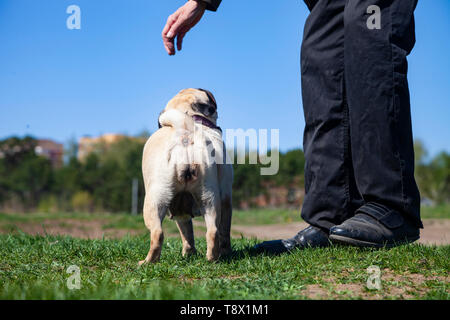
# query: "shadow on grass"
248 251
251 251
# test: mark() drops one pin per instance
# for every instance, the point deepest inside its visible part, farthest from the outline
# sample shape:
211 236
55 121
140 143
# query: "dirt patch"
84 229
316 291
436 231
403 286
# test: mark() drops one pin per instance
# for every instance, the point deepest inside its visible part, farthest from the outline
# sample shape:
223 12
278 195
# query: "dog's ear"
211 98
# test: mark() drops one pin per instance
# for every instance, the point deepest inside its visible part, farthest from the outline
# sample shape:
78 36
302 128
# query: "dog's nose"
211 110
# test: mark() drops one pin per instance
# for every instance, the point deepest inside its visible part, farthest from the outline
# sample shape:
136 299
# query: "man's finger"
167 48
170 21
169 45
176 27
180 38
180 41
168 40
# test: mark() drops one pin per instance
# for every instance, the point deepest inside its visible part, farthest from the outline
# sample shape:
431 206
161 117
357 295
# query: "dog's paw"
146 261
225 252
189 252
140 263
212 257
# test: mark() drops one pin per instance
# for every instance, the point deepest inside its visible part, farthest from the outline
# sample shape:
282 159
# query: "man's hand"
179 23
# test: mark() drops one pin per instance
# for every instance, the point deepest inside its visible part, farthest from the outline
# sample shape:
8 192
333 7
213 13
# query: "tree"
440 178
25 175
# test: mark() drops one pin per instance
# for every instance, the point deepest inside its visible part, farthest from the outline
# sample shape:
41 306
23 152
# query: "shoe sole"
366 244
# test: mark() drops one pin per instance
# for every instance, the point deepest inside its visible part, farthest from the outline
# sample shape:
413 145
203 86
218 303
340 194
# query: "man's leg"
331 193
379 34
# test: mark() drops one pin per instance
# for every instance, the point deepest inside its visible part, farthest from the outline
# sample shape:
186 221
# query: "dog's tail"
182 153
176 119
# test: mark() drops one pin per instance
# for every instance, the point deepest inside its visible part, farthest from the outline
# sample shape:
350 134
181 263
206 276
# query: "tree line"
102 182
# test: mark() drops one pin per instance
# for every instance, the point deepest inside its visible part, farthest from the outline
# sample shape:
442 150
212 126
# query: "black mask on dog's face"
211 98
207 109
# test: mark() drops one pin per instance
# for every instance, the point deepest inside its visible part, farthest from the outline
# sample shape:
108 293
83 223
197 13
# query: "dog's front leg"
212 219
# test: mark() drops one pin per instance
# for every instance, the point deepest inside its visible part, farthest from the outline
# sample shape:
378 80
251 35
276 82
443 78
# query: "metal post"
134 196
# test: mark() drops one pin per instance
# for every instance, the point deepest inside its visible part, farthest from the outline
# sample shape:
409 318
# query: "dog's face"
195 102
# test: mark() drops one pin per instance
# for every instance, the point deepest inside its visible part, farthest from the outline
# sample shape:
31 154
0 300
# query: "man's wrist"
200 3
210 5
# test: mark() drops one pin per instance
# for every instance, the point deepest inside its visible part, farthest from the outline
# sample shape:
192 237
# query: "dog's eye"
203 107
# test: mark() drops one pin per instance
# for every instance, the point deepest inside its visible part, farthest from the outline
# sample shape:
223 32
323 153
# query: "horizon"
113 75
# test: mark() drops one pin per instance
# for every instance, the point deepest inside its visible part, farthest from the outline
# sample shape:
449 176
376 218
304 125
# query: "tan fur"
171 166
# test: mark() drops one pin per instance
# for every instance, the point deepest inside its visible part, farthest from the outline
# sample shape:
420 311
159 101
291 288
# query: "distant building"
51 150
87 145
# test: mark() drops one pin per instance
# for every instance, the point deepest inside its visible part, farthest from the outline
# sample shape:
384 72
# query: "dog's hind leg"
187 235
153 217
225 226
212 219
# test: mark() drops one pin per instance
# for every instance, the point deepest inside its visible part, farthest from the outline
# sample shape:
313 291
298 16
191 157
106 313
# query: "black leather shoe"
308 237
375 226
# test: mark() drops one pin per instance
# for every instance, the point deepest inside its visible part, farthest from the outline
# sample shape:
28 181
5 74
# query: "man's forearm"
212 4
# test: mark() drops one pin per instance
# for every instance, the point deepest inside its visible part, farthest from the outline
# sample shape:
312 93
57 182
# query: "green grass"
437 212
278 216
34 267
265 216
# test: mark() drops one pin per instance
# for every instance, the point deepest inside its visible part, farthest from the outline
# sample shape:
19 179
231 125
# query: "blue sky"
113 75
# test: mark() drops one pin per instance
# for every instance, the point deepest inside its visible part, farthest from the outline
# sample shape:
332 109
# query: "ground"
106 248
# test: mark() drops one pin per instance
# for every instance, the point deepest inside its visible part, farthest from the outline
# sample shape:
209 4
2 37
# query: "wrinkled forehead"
189 97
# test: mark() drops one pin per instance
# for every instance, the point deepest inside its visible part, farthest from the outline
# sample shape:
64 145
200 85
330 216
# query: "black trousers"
358 138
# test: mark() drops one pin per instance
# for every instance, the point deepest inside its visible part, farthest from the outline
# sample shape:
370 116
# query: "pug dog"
186 174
